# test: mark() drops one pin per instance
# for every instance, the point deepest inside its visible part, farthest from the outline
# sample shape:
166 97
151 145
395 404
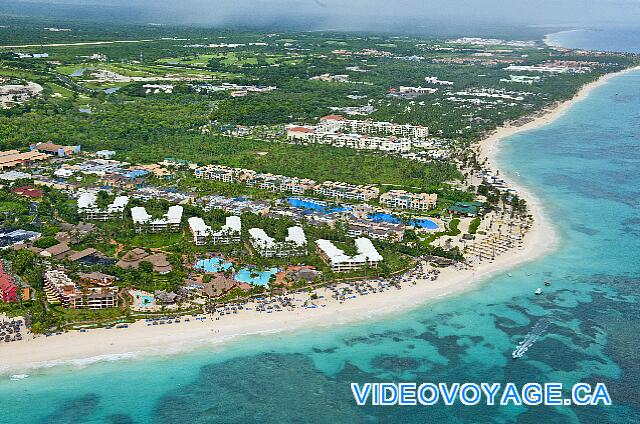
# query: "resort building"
338 123
133 258
400 199
275 183
271 182
59 251
8 287
338 190
60 289
218 173
55 149
305 135
375 230
89 210
96 278
203 234
169 222
295 244
367 255
13 158
28 191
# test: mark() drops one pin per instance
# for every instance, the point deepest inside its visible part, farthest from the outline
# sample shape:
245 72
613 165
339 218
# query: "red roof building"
334 118
301 129
28 191
8 288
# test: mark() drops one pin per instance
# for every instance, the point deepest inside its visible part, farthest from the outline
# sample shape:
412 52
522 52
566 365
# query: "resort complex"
258 173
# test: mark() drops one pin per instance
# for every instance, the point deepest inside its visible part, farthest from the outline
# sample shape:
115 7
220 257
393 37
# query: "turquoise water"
315 205
147 300
619 39
213 265
252 276
585 167
425 223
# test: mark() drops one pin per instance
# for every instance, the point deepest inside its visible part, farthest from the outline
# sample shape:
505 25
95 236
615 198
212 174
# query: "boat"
538 290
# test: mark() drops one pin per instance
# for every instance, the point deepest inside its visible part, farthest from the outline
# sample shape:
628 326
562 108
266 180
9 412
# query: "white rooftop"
88 199
173 216
200 228
296 235
366 251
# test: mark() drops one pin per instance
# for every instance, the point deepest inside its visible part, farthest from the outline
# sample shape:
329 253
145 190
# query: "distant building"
14 176
304 135
13 158
203 234
28 191
340 262
105 154
169 222
339 190
55 149
338 123
295 244
400 199
271 182
218 173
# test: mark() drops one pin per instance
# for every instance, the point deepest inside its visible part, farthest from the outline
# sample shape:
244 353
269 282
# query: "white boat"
19 377
538 290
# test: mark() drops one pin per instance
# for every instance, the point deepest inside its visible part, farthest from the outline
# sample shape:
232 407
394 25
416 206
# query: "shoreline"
139 340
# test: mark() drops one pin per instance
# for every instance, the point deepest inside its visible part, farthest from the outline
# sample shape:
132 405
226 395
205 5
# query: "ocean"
585 166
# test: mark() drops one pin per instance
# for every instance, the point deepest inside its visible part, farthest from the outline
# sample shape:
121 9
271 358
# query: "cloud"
377 13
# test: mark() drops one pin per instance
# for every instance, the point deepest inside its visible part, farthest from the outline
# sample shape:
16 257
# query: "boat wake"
533 336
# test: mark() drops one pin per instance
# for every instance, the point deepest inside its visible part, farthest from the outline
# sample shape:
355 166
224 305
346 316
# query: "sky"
372 14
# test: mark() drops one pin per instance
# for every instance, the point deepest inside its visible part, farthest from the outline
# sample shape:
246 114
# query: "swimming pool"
315 205
384 217
252 276
426 223
213 265
142 300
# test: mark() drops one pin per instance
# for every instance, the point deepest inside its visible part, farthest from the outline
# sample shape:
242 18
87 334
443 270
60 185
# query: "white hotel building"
340 262
339 190
400 199
338 123
218 173
89 210
203 234
169 222
352 141
295 244
271 182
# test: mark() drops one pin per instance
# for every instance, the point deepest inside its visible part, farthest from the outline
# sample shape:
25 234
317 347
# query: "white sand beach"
140 339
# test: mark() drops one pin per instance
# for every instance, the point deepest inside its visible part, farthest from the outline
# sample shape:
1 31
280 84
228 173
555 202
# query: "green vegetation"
144 127
473 226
